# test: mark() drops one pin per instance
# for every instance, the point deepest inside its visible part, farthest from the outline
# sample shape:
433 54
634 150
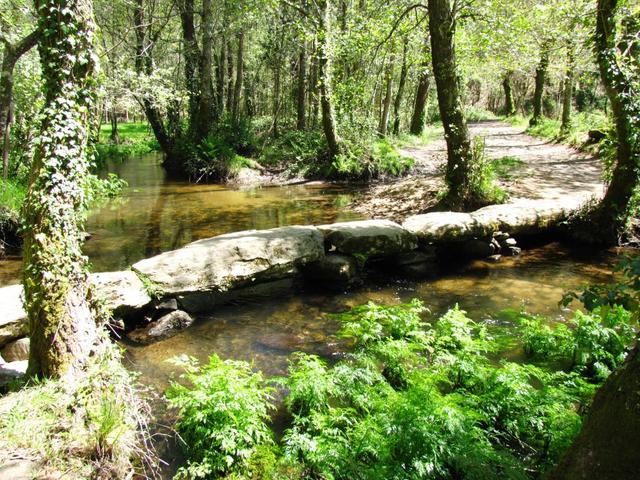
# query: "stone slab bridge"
157 296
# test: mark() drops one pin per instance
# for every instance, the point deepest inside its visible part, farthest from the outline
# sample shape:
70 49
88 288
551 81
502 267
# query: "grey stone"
512 251
123 292
13 318
416 264
368 237
169 304
198 302
441 226
165 327
16 351
335 271
233 260
510 242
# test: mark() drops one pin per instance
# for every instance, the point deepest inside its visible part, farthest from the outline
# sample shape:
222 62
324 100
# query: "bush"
223 416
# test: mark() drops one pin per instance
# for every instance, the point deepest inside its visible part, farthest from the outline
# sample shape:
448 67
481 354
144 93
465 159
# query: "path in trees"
548 170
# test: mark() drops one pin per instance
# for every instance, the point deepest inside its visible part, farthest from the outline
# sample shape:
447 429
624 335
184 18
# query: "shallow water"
155 214
267 330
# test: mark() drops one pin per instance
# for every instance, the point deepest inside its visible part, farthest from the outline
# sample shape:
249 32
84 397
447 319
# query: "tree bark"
239 73
607 446
221 79
567 90
191 57
63 330
12 54
301 93
324 80
422 94
541 78
276 100
509 105
230 79
397 102
459 157
619 84
386 104
313 87
115 135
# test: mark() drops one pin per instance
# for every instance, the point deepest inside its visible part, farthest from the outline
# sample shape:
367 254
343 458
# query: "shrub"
223 416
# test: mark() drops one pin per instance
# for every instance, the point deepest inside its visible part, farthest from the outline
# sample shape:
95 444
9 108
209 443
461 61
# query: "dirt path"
548 171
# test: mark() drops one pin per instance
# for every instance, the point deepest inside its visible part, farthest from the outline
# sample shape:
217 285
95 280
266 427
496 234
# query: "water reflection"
155 215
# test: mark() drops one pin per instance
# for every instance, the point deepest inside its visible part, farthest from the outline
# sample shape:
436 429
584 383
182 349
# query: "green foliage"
222 417
135 139
100 189
505 168
482 177
12 195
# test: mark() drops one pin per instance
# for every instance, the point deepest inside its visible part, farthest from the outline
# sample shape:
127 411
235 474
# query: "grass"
505 168
136 138
430 134
93 426
577 135
12 195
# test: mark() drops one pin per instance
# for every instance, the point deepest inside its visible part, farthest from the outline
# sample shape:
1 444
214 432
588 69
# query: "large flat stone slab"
441 226
233 260
123 292
369 237
13 318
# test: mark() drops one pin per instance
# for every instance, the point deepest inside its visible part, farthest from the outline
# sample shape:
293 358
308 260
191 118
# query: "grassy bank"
136 138
92 426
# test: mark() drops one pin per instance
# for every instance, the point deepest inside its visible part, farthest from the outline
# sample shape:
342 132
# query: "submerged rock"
164 327
368 237
233 260
16 351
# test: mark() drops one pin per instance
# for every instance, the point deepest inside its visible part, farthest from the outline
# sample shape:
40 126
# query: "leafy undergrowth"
92 427
411 399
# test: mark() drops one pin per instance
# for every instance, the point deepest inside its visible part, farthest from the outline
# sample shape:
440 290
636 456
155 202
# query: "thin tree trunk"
191 59
509 105
12 54
222 72
239 74
541 78
276 100
63 330
301 94
205 112
422 94
386 104
115 135
567 90
459 157
230 79
324 80
397 102
313 87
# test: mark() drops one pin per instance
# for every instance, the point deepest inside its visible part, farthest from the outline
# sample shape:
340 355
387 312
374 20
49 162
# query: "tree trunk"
422 94
239 73
459 157
509 105
324 80
607 446
619 84
301 93
230 79
541 78
386 104
63 331
567 90
222 72
313 87
397 102
12 54
205 112
191 59
276 100
115 135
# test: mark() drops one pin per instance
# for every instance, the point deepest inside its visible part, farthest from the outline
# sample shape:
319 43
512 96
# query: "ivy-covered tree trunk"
205 117
459 157
63 331
622 89
324 80
402 81
541 78
11 55
509 104
567 90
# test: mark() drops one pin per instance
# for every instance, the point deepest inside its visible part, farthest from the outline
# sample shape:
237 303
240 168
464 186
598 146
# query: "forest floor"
541 169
